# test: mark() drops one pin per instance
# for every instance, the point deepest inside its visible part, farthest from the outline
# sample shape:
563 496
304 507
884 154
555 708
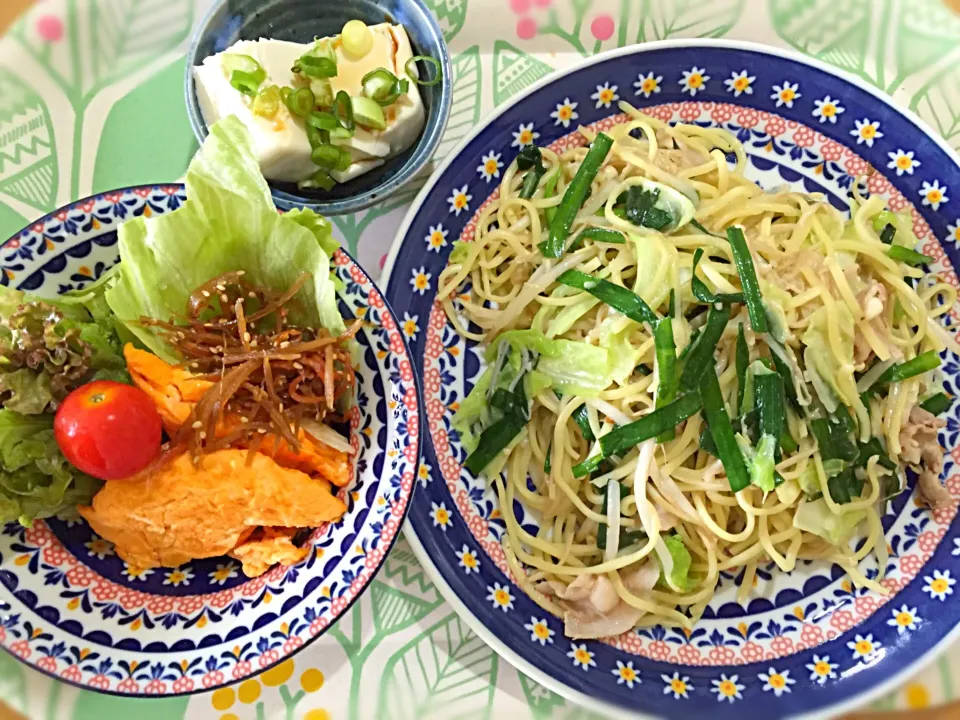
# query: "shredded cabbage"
816 517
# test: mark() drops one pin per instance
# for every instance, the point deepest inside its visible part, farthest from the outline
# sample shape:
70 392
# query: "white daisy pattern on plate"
468 560
223 573
903 162
939 585
582 658
525 135
420 281
956 541
954 234
827 109
863 647
776 682
626 674
565 112
437 237
740 83
500 596
693 80
136 573
409 325
459 200
934 194
423 473
648 84
440 516
99 548
866 131
178 577
905 618
727 688
676 684
786 93
540 632
490 166
605 95
821 669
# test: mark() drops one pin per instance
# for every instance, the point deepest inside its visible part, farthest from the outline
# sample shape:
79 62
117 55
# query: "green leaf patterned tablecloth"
91 99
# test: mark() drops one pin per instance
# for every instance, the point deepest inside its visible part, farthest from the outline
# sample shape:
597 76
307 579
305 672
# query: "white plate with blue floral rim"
73 610
807 643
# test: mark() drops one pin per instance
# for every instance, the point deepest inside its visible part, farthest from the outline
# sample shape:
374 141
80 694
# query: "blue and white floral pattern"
789 646
73 609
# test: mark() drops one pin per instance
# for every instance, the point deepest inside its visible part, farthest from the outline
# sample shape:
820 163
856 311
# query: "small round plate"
807 642
72 609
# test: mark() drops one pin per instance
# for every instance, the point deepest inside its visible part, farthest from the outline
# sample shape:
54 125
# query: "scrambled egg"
175 512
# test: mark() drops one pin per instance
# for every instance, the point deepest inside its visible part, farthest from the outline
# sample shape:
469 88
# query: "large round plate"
807 642
72 609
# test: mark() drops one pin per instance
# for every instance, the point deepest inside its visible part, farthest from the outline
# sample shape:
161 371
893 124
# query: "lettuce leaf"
228 223
36 481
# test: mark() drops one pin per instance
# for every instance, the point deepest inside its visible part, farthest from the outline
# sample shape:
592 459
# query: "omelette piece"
175 391
266 548
173 513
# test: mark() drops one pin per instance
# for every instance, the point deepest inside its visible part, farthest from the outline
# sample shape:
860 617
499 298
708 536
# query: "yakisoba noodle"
851 341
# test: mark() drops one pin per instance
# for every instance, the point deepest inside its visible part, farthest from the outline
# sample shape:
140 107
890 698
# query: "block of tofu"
281 142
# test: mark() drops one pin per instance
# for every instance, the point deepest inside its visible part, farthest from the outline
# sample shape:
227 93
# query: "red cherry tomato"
108 430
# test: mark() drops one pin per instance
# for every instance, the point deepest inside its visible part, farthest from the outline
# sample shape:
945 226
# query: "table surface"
123 122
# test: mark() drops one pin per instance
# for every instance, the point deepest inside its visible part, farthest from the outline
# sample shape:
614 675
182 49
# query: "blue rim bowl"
301 21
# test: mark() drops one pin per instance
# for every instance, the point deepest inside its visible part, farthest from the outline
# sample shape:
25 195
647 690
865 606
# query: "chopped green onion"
908 256
672 304
500 434
574 197
748 279
382 86
529 157
404 86
602 235
411 69
320 179
870 448
615 487
531 180
357 38
318 67
721 430
625 437
833 440
301 102
322 120
666 352
700 290
267 102
617 297
787 443
886 235
285 92
643 369
581 417
246 83
365 112
783 370
546 460
700 355
549 190
231 62
742 362
924 362
326 156
768 391
702 229
937 404
344 110
315 137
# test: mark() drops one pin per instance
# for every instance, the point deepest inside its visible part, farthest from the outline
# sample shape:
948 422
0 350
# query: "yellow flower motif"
582 658
727 688
605 95
539 631
785 94
676 684
525 135
693 80
626 674
440 515
99 548
565 112
410 327
436 238
648 84
500 596
468 560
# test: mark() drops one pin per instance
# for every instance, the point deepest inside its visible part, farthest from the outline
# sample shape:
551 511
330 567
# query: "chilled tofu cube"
281 142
